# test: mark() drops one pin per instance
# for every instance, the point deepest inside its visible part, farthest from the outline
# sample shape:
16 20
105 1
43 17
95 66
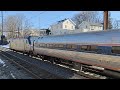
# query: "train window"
43 45
61 45
39 45
69 46
116 49
74 46
26 42
56 45
47 45
93 47
88 47
83 47
50 45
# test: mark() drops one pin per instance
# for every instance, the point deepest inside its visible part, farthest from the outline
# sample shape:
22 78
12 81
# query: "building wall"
95 28
68 25
42 32
57 32
61 28
86 27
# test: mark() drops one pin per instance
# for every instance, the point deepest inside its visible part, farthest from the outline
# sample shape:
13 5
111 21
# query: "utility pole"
2 21
105 20
39 23
2 28
18 32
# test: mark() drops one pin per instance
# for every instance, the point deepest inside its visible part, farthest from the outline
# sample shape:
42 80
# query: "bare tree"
15 25
10 26
115 24
90 16
27 28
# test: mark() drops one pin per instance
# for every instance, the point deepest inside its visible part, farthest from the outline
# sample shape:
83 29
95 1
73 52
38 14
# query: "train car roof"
89 37
94 32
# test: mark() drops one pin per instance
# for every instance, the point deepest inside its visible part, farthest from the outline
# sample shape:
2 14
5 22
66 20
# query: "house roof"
61 21
93 24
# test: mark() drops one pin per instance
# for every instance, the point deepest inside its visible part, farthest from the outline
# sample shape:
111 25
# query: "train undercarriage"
75 65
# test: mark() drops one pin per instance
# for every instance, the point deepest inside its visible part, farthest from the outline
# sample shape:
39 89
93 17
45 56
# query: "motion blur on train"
101 49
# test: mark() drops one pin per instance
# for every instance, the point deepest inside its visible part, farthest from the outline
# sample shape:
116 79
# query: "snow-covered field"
6 46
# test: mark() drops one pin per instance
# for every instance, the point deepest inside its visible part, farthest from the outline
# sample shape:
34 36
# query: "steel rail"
30 72
78 73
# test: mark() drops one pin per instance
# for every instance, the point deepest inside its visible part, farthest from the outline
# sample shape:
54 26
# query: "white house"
61 26
89 26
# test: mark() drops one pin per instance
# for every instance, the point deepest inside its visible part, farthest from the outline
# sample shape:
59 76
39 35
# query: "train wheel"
57 61
42 57
30 54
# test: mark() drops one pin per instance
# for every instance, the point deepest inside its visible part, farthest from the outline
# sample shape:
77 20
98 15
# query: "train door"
27 46
33 45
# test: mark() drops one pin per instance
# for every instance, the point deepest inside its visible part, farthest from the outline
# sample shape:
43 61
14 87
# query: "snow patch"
12 75
6 46
2 63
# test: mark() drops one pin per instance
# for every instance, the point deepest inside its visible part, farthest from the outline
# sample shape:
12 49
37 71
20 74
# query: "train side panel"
105 61
20 45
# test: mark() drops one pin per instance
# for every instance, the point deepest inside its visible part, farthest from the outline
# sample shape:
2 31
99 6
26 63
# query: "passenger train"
99 48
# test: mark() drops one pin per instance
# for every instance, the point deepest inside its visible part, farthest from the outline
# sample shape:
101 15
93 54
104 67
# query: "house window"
86 26
72 27
65 26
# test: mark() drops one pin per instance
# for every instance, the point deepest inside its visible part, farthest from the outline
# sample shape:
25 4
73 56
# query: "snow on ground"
6 46
10 71
2 63
12 75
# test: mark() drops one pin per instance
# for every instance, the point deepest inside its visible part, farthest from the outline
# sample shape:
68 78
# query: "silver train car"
100 48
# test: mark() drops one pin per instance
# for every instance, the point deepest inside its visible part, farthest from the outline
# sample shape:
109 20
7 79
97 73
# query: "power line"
55 19
37 15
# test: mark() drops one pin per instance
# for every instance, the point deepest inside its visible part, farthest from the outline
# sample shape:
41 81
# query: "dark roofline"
66 19
62 20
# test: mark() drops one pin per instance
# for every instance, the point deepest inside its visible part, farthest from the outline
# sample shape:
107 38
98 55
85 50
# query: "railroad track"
20 66
36 71
87 73
30 68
